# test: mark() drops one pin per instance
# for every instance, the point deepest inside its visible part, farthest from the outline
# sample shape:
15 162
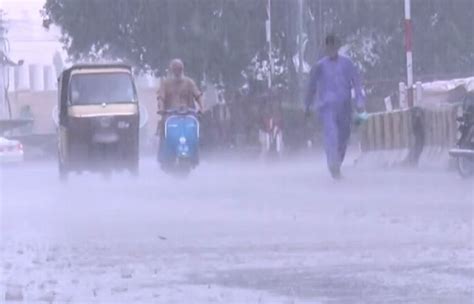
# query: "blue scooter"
179 147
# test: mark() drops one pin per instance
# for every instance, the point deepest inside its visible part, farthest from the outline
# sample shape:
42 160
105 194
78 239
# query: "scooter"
179 148
464 151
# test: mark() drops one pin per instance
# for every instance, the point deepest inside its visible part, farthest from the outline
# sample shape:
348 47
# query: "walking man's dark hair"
332 40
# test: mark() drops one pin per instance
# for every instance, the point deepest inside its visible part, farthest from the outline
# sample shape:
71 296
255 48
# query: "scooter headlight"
182 140
183 149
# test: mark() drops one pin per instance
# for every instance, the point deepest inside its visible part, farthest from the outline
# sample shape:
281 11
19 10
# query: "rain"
223 151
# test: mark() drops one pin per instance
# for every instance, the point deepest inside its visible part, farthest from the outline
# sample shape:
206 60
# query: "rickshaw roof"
92 66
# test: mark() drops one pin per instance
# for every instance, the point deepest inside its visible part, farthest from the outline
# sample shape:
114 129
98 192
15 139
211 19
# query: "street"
237 232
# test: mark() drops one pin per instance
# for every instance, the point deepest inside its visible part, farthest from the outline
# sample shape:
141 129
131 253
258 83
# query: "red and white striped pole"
409 53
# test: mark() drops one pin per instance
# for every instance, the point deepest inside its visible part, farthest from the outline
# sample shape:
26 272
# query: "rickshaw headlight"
105 122
123 125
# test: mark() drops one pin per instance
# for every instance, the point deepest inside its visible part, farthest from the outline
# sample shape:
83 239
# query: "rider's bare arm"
199 102
197 94
159 105
160 97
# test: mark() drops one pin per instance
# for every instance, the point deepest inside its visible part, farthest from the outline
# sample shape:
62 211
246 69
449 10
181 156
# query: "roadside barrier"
441 132
409 136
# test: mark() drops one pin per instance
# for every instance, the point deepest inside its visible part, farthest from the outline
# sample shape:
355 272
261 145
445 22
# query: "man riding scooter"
177 96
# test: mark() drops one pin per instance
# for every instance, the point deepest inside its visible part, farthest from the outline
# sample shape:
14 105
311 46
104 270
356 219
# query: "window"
101 88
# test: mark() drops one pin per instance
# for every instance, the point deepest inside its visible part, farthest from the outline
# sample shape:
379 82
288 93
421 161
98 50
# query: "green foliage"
215 38
218 39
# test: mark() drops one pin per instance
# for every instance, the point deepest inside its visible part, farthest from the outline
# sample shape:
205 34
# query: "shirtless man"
178 91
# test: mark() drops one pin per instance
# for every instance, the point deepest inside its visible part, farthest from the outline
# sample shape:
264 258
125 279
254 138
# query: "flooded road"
237 233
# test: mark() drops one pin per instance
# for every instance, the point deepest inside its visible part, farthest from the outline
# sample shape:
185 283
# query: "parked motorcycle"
464 151
272 139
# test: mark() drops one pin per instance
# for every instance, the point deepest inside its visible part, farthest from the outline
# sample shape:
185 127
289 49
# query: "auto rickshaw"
98 119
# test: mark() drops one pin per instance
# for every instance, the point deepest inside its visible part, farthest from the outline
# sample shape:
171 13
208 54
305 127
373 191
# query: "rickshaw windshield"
97 88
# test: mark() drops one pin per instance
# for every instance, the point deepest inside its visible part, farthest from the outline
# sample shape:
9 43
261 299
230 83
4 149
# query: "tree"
215 38
222 40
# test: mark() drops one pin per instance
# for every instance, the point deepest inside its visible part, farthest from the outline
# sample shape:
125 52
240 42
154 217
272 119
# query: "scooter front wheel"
465 166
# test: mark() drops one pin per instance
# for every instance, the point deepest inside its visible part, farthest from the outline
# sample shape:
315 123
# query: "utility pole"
5 63
409 53
321 32
268 28
4 111
300 38
300 49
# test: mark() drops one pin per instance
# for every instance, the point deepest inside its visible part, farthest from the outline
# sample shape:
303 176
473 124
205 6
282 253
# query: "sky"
26 33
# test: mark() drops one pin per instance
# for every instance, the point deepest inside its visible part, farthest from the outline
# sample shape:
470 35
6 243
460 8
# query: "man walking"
329 89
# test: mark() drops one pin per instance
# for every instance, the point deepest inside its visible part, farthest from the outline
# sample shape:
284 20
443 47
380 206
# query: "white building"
27 37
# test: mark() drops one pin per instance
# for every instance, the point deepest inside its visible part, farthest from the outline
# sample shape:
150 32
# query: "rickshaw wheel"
465 167
63 173
134 172
107 174
134 169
